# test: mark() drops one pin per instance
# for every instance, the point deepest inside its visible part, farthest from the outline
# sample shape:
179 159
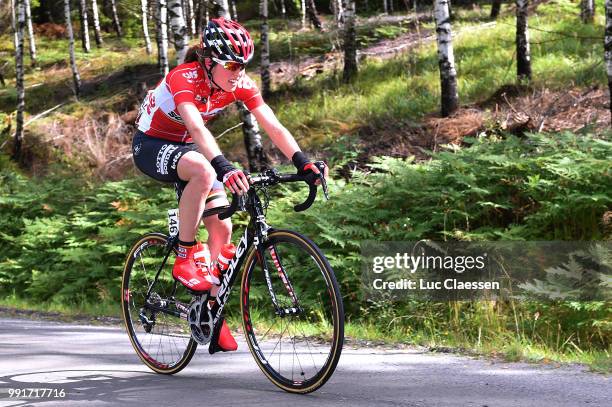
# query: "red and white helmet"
227 40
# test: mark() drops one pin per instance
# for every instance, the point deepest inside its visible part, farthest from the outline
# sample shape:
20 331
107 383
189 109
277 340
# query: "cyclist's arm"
203 138
279 134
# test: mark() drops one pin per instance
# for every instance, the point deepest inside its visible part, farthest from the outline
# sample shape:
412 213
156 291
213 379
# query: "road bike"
290 303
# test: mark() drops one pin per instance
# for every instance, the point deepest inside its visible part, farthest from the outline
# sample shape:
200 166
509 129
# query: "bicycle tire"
169 330
297 256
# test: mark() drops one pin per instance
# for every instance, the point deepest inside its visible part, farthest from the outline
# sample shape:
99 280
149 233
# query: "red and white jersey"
159 117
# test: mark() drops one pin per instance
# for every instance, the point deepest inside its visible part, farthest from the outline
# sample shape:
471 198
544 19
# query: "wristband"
299 159
222 166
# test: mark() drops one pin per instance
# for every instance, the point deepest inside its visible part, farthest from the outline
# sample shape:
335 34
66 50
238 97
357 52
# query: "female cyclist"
172 144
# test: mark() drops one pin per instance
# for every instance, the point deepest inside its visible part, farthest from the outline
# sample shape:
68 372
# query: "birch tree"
96 23
191 17
523 55
608 49
303 4
385 6
337 9
163 37
75 72
116 23
20 27
145 26
350 44
179 29
258 159
283 9
265 50
28 16
234 12
446 59
495 9
84 25
587 11
202 15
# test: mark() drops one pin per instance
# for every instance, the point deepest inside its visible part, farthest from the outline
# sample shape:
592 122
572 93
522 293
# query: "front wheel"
293 316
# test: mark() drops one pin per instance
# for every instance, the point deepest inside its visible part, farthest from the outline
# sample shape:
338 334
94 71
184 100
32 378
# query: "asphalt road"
97 366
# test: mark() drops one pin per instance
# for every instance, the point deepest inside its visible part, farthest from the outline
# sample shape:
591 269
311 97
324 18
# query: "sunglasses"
230 65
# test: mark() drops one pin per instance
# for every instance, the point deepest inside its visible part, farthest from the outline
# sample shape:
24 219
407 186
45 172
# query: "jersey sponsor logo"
190 76
175 116
163 157
151 104
246 83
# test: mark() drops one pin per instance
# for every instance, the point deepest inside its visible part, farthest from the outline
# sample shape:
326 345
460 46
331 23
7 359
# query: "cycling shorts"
159 159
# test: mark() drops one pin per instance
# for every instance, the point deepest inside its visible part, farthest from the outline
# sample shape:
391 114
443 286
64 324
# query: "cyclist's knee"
193 167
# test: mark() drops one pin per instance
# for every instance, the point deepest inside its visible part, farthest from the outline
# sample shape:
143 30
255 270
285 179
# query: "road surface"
96 366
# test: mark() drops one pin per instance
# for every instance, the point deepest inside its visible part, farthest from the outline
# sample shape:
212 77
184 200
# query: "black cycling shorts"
159 159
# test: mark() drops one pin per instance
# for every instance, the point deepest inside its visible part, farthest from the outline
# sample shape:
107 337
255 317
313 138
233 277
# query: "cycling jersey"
158 115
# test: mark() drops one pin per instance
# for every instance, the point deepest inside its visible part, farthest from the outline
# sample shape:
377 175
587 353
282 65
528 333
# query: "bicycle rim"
162 341
299 350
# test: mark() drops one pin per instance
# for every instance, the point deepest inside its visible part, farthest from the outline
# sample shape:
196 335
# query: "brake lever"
321 166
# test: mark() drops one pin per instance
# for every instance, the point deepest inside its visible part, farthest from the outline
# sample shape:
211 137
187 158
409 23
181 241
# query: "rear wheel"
160 337
292 310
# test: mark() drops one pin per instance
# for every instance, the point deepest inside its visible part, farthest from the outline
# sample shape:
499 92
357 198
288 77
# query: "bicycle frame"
254 234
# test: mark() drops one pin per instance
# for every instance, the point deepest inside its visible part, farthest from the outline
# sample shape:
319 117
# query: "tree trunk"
587 11
191 18
350 44
311 11
446 59
163 37
145 26
340 12
523 56
234 12
223 9
283 9
265 50
202 16
21 22
116 19
303 4
385 7
28 16
391 6
608 49
179 30
495 8
258 159
75 72
96 22
84 25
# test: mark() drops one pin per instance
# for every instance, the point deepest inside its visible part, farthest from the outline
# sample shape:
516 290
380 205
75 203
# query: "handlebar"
273 177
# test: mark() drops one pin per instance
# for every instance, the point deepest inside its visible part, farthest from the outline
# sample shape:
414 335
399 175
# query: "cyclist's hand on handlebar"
234 179
308 168
312 168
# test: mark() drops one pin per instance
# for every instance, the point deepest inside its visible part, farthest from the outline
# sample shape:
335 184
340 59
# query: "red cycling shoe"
188 273
226 340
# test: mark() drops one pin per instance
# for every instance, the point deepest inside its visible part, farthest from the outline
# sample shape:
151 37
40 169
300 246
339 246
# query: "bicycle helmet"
227 40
